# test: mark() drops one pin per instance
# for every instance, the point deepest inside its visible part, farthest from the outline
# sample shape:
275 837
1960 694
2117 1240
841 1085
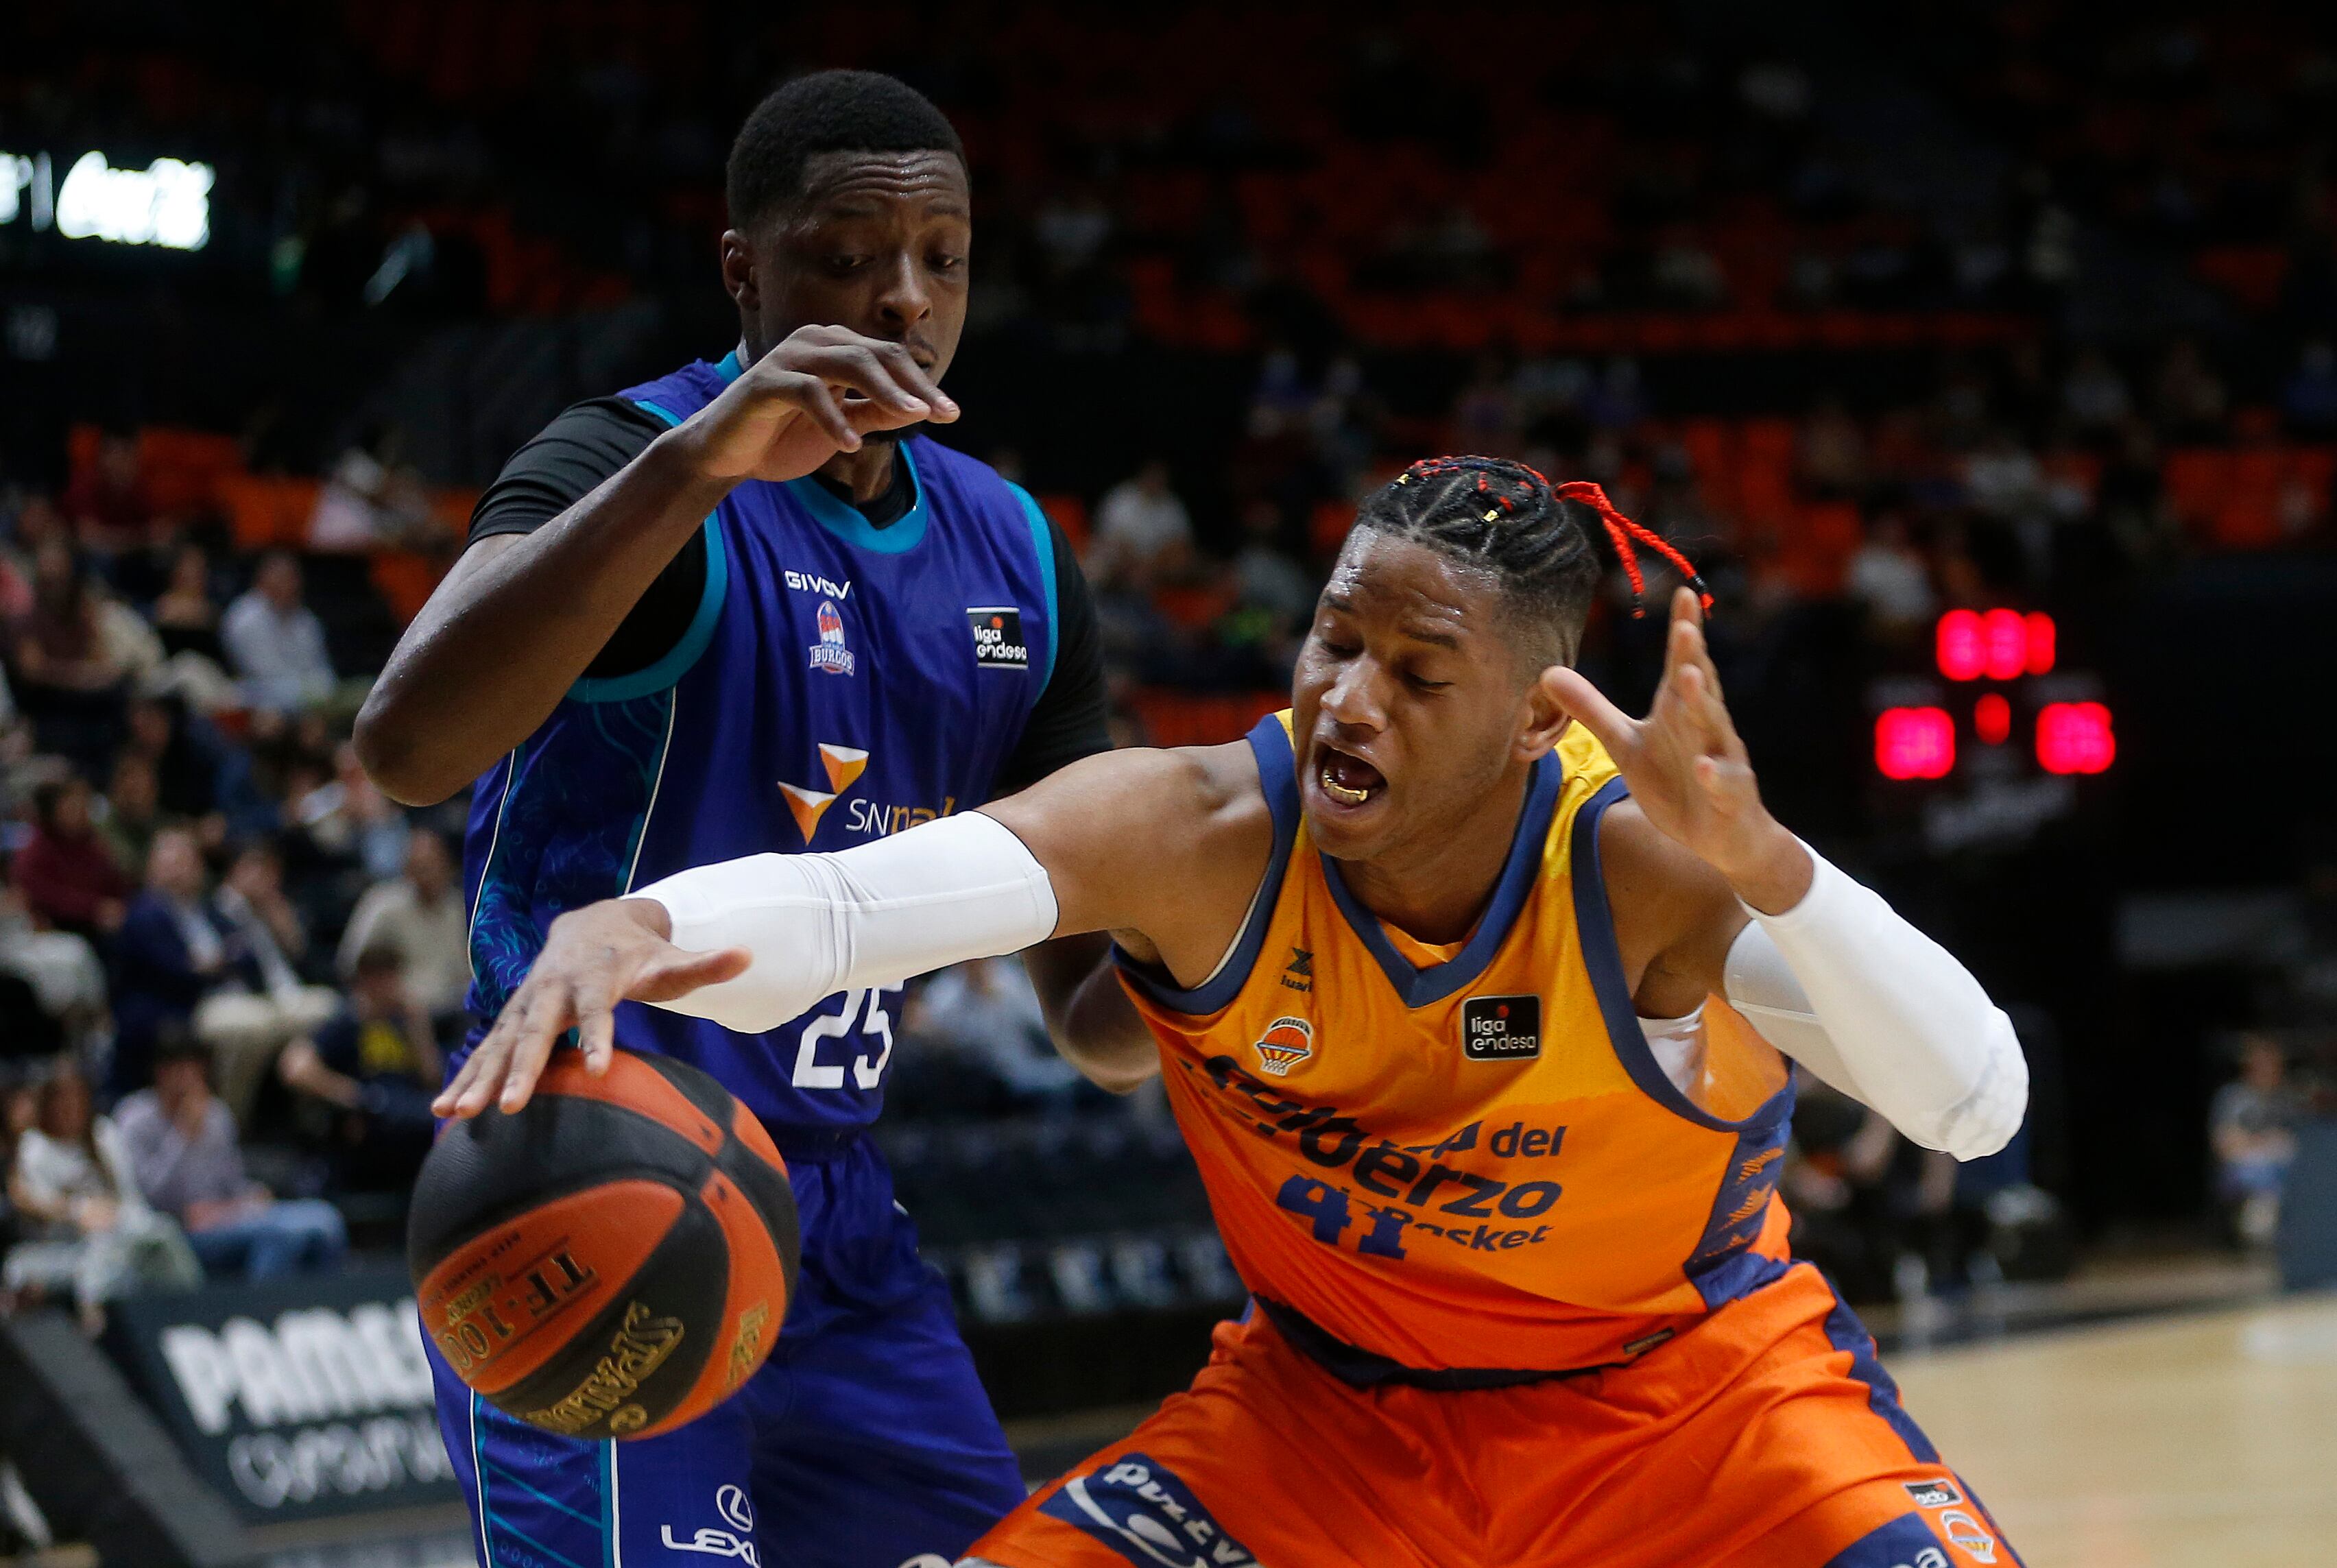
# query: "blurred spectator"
2252 1123
348 819
276 641
1266 577
375 1063
173 952
418 914
68 875
132 812
62 967
987 1011
180 1143
111 512
96 1235
185 618
2189 400
2093 394
1833 452
67 681
369 502
2310 398
1889 580
202 776
1142 531
249 1026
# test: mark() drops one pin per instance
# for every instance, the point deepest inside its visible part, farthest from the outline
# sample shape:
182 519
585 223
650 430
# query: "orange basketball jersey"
1469 1157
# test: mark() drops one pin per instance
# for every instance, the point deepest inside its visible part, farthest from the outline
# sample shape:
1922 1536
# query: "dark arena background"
1980 355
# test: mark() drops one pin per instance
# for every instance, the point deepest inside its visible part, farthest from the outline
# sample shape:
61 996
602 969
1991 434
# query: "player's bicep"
1675 915
1140 840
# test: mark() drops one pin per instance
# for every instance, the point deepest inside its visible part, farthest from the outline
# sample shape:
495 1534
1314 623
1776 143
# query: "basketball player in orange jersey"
1451 970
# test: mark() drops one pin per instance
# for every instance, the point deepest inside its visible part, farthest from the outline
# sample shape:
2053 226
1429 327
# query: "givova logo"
1138 1506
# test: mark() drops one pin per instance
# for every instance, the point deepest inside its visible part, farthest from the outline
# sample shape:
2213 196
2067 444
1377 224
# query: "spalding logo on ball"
613 1260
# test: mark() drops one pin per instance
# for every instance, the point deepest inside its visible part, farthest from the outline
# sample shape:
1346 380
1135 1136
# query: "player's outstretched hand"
1689 771
593 958
814 394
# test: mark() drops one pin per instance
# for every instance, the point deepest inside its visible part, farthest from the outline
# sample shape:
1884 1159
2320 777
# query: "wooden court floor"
2203 1441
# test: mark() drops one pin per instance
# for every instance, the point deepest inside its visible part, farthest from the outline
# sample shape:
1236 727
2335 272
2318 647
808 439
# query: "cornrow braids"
1534 537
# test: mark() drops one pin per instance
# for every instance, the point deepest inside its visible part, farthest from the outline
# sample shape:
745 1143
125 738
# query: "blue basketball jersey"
838 682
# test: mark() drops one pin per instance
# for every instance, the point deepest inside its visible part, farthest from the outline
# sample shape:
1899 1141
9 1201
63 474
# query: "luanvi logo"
1298 974
1501 1029
998 636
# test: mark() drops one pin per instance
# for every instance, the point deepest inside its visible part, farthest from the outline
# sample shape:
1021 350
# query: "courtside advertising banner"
296 1399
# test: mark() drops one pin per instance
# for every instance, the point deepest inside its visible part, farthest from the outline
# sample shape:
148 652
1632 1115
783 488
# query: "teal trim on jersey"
667 415
728 367
844 520
1042 536
675 664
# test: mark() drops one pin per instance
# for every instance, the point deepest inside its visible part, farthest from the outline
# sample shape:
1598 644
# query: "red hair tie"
1622 532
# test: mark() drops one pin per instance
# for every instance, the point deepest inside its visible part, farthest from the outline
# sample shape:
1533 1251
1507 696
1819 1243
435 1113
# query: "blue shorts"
865 1442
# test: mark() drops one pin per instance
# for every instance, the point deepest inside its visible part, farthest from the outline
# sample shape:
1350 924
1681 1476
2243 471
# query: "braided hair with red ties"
1507 519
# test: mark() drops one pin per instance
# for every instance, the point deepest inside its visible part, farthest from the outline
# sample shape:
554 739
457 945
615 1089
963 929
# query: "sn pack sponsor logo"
1501 1029
1933 1493
844 765
1139 1507
998 636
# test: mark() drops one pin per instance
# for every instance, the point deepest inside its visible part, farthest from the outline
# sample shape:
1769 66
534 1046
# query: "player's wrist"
1774 872
692 462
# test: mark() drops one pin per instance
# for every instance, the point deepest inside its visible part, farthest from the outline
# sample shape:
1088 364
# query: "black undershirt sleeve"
1073 716
572 458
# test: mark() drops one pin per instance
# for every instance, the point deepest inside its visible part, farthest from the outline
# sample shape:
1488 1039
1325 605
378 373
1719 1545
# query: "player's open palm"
816 394
1684 763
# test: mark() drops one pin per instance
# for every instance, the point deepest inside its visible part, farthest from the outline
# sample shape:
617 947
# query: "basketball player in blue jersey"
743 609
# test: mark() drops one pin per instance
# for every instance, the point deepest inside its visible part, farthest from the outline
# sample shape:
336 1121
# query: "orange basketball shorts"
1766 1435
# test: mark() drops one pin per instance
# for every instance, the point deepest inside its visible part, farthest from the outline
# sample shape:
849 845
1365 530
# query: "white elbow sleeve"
963 887
1845 986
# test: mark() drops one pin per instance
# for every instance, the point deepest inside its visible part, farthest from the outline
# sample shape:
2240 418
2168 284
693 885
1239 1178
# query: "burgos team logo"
1286 1043
1137 1506
829 653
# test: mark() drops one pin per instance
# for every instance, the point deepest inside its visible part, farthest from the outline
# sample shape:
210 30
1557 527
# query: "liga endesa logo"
1286 1043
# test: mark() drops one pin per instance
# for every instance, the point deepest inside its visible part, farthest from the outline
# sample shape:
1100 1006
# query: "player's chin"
898 433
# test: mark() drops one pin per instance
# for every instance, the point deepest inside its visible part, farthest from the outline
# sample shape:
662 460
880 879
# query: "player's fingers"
444 1106
539 1033
1614 729
810 393
596 1033
916 380
676 973
482 1074
861 368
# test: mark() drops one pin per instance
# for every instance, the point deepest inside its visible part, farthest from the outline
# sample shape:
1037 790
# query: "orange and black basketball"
614 1258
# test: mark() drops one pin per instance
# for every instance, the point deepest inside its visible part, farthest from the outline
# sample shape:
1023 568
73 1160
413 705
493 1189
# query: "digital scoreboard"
2000 728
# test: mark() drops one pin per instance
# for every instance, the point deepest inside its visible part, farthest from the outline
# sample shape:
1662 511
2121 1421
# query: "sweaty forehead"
1414 589
864 185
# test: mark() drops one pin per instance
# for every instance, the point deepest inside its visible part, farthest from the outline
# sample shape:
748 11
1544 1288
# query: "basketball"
612 1259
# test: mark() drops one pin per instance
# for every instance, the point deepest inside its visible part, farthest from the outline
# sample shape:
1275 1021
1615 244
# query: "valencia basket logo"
1286 1043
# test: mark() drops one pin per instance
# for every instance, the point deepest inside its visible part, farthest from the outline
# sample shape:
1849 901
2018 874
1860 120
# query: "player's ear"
1543 717
739 280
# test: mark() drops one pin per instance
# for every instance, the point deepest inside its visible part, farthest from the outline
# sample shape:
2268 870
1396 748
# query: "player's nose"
1353 699
902 300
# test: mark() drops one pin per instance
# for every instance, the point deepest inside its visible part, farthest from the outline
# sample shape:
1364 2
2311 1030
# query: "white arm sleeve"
1845 986
962 887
